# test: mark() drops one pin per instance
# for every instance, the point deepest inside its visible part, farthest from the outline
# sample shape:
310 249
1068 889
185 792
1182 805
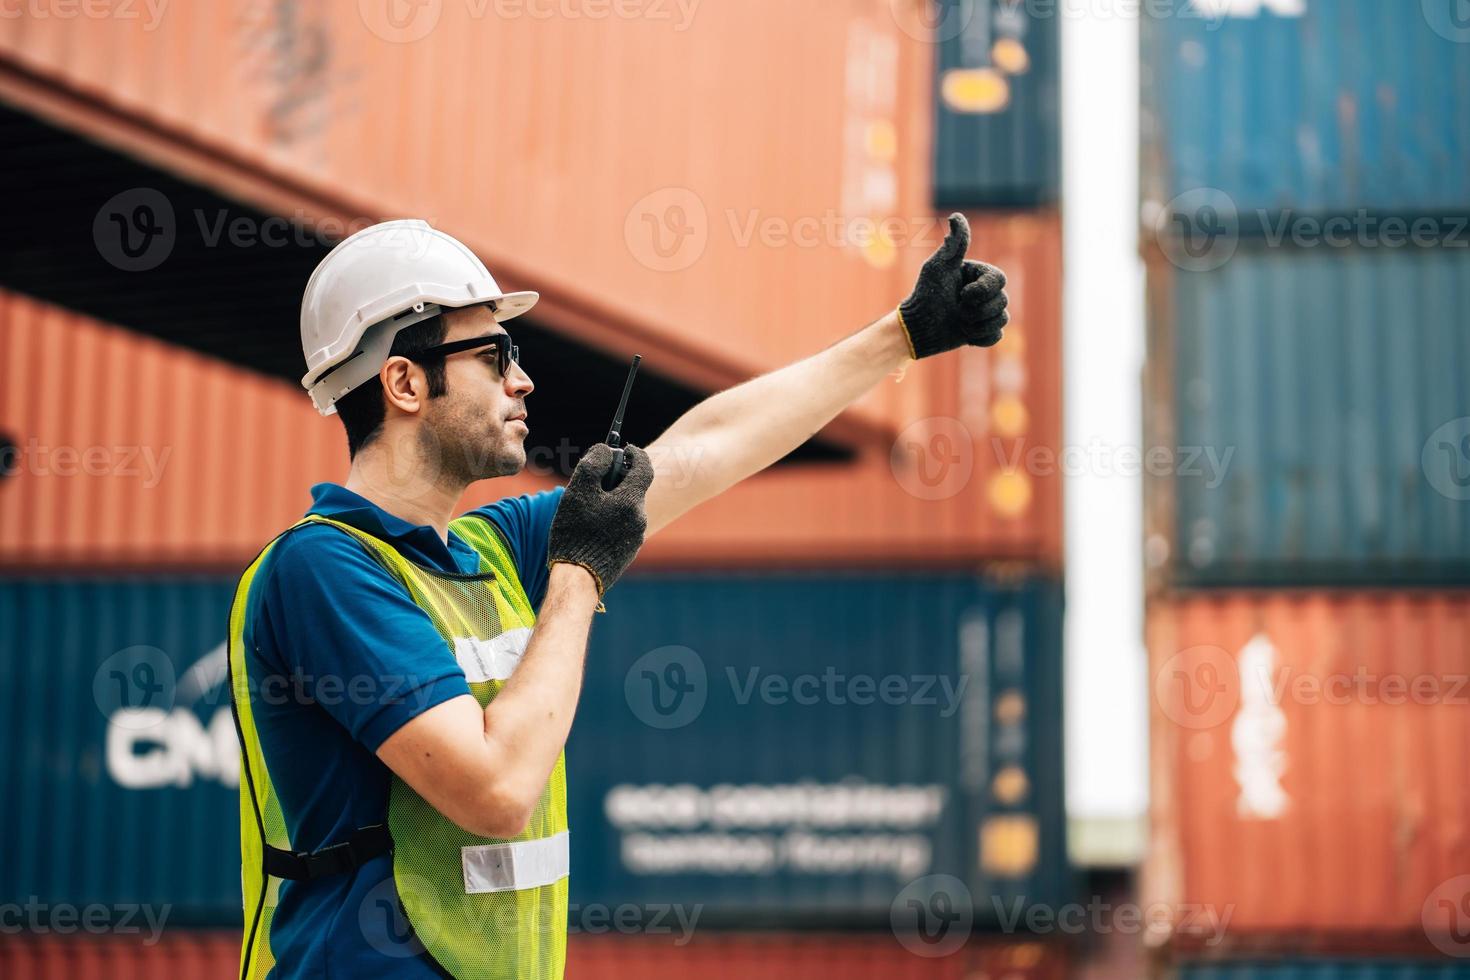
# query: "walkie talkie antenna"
615 434
614 474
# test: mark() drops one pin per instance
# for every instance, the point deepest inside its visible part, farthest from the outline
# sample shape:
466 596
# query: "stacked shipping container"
1304 202
964 784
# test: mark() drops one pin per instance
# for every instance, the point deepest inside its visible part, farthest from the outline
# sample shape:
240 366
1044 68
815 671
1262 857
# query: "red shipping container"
650 169
129 452
774 956
1309 752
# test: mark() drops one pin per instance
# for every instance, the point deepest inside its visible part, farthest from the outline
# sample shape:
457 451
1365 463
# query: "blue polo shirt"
345 660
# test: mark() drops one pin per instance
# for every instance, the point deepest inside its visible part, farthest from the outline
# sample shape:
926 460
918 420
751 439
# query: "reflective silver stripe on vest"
515 866
492 660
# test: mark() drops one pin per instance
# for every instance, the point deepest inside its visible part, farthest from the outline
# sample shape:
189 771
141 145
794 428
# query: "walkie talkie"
619 467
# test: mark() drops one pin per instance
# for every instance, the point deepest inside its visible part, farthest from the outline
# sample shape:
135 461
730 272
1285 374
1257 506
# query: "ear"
405 386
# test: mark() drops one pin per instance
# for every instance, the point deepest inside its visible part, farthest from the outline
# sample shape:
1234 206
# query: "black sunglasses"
506 352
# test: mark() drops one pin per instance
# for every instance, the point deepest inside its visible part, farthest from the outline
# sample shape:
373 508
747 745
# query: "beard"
471 447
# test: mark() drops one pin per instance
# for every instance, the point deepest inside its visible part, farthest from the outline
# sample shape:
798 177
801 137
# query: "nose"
518 383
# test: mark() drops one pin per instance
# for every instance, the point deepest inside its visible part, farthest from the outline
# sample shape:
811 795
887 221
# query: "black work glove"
602 530
955 302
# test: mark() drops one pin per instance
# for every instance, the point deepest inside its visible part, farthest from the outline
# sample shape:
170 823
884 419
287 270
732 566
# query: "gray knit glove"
955 302
602 530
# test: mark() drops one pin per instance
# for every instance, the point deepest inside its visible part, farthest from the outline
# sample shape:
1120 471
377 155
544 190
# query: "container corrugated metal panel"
973 475
1327 970
178 954
733 754
120 807
704 197
215 956
1328 388
205 462
997 138
1353 104
778 956
1308 759
126 808
128 452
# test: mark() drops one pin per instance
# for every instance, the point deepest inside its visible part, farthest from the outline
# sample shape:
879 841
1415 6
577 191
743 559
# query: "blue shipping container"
1318 106
1321 415
120 757
818 742
1355 969
796 749
997 137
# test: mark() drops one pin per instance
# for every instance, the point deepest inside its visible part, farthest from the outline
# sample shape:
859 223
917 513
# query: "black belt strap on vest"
365 844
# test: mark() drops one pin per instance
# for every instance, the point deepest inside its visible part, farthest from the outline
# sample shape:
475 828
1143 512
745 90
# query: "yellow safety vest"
482 907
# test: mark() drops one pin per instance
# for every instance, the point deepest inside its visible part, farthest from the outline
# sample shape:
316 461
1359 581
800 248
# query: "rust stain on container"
1308 759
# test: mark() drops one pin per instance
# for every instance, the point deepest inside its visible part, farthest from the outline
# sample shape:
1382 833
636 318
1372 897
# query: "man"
404 681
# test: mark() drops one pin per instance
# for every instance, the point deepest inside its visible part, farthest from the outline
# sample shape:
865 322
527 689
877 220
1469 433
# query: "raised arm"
740 431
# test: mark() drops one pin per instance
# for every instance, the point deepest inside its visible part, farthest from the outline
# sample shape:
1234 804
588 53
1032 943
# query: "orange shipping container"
128 451
1309 753
124 451
724 185
713 956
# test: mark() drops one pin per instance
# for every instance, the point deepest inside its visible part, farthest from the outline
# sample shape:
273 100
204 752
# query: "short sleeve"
347 636
526 523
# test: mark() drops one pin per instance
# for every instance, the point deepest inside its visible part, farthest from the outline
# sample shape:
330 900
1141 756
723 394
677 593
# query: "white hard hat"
375 283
